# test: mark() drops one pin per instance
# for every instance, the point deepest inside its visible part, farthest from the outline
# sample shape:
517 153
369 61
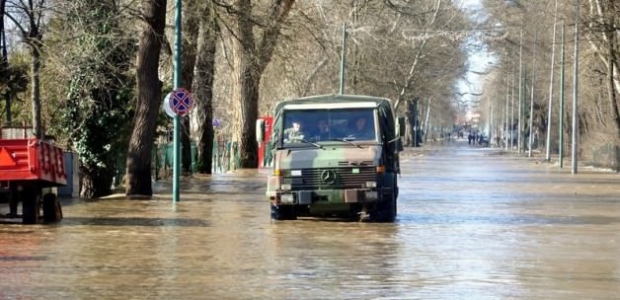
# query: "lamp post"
177 84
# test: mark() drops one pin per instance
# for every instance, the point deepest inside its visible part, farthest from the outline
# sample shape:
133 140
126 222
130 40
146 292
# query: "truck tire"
52 212
31 209
385 211
283 212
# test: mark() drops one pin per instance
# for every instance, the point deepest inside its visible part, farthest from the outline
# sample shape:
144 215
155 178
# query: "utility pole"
555 25
531 123
561 116
428 112
177 84
512 112
506 132
519 140
575 133
342 56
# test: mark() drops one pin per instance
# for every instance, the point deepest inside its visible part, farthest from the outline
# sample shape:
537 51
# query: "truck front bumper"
308 197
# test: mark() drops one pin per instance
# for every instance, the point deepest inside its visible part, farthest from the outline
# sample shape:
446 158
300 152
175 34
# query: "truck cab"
334 156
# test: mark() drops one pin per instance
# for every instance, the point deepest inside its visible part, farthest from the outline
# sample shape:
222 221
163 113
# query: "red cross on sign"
181 102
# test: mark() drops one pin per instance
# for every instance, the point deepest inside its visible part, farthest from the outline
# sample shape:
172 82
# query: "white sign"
168 106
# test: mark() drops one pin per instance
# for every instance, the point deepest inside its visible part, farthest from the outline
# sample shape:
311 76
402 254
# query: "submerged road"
473 223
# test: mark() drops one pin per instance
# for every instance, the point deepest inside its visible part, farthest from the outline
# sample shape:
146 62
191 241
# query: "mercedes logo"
328 176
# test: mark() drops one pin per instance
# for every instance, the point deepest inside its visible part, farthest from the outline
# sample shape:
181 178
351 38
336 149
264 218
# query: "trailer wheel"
31 209
52 212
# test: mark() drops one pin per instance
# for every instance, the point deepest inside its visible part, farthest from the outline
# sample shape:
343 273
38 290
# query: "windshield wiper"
306 142
347 141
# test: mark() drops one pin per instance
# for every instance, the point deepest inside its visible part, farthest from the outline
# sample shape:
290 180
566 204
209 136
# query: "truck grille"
330 178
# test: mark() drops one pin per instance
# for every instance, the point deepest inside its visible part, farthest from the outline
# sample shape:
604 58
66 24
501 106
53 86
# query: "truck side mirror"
260 130
401 126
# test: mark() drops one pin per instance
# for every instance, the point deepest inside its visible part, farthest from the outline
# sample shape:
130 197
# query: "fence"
163 158
607 156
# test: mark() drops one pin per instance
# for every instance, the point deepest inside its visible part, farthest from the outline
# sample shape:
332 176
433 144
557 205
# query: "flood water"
472 223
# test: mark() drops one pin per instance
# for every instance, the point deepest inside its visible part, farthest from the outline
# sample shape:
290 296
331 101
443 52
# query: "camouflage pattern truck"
334 156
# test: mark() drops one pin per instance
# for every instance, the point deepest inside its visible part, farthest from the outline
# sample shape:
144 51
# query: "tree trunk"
249 60
148 102
244 153
36 90
95 183
190 35
245 112
4 64
245 109
203 82
610 81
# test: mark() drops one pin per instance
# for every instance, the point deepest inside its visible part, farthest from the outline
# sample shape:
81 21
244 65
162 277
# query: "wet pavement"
473 223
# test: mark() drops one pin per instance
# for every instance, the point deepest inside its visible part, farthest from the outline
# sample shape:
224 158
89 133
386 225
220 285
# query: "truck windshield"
318 125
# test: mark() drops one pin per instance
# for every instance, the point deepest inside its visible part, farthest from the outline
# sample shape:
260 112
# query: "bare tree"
28 16
382 44
251 55
604 39
203 85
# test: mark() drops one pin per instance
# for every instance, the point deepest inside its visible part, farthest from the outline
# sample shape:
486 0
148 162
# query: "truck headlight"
371 184
285 187
287 198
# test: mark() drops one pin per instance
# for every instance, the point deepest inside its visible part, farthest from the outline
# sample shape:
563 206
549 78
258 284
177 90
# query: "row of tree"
99 69
535 72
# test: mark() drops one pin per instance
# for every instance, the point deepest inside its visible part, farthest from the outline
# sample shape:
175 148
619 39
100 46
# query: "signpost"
177 84
177 104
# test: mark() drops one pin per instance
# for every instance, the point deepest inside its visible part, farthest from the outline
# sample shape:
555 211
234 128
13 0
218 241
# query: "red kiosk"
267 128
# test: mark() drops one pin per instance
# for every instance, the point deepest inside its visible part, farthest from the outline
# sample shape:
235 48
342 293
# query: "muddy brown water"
472 224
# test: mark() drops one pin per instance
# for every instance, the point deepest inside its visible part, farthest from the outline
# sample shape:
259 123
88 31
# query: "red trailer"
29 166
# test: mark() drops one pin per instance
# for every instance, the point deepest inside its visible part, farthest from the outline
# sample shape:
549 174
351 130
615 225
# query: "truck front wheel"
283 212
385 211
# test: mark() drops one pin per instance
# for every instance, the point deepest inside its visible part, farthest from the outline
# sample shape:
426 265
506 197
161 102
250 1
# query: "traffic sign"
181 102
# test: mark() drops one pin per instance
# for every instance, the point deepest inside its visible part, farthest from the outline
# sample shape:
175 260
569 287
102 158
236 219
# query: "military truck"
334 156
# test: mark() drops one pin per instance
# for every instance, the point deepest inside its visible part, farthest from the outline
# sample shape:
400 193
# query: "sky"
479 58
